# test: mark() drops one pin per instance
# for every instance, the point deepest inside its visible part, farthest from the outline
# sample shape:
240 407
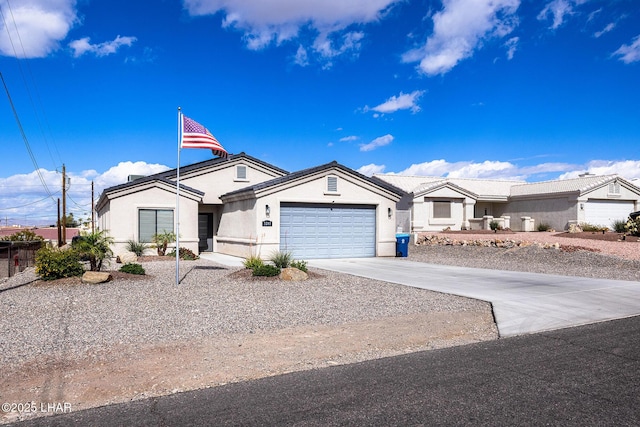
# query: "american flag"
194 135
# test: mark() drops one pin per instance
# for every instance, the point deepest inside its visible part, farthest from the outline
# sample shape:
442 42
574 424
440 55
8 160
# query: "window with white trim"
154 221
332 184
442 209
241 172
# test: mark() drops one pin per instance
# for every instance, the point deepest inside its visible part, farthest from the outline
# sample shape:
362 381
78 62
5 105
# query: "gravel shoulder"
133 338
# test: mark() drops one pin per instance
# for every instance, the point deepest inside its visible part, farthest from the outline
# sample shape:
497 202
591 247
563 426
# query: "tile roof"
581 185
483 188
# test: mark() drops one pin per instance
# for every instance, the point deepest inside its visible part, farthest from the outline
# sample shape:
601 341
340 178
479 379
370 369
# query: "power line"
26 141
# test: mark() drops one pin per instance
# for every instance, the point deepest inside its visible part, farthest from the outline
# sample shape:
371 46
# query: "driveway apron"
522 303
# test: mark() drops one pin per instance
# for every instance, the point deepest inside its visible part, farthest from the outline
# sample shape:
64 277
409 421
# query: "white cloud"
301 57
512 46
276 21
629 169
24 200
404 101
83 45
34 28
461 27
349 138
557 10
605 30
629 53
371 169
381 141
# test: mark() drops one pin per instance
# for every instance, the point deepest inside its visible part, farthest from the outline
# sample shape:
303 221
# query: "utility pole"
93 220
64 205
59 225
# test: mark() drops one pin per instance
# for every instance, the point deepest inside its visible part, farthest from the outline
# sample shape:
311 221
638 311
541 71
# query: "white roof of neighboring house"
483 188
581 185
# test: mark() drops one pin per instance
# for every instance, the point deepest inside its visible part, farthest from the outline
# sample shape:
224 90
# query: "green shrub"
619 225
132 268
186 254
495 225
300 265
266 270
252 262
52 264
590 227
633 226
137 248
281 259
543 227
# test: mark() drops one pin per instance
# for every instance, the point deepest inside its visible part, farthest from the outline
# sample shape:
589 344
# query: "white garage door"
605 212
328 231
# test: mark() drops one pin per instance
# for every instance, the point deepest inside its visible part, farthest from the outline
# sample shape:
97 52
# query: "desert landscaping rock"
96 277
141 336
293 274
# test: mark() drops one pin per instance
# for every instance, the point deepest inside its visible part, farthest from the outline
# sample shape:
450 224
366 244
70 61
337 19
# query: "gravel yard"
142 336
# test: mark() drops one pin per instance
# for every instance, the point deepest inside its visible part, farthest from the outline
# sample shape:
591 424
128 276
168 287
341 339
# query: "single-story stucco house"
436 203
243 206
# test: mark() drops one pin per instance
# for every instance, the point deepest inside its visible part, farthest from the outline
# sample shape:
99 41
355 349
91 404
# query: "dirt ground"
126 373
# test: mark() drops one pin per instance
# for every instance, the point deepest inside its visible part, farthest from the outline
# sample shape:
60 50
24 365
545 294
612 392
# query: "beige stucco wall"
556 212
221 178
120 216
462 208
242 222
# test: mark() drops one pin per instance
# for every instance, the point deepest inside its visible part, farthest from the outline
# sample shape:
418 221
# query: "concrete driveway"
523 303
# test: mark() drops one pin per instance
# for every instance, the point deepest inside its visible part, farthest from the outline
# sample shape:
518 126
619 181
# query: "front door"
205 232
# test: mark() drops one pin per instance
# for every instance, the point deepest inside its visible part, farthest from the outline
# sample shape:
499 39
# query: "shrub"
162 240
495 225
137 248
266 270
281 259
543 227
619 226
590 227
94 247
186 254
633 226
132 268
52 264
23 236
300 265
252 262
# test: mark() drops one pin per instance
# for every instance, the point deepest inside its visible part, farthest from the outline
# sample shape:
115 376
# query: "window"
332 184
614 187
442 209
154 221
241 172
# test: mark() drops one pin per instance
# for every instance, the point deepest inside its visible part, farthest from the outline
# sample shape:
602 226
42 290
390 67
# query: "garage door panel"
328 232
605 212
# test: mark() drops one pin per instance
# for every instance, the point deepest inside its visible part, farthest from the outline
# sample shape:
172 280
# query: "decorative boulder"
126 257
575 228
293 274
95 277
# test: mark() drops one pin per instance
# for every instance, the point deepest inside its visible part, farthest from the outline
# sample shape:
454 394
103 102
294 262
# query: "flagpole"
178 201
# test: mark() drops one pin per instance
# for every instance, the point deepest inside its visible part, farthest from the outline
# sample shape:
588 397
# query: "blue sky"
505 89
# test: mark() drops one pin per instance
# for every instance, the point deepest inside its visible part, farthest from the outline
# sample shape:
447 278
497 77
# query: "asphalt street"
582 376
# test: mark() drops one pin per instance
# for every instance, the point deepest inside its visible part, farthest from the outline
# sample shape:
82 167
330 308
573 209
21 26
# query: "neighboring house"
437 203
49 234
243 206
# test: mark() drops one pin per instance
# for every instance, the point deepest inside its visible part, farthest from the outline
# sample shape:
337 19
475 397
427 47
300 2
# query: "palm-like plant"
95 247
162 240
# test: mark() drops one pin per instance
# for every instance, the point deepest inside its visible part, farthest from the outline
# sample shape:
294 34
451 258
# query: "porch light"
267 210
389 212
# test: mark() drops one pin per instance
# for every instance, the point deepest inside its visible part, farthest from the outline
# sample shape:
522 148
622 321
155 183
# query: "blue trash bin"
402 245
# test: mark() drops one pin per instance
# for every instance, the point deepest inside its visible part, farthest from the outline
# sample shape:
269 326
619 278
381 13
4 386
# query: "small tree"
23 236
95 247
162 240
